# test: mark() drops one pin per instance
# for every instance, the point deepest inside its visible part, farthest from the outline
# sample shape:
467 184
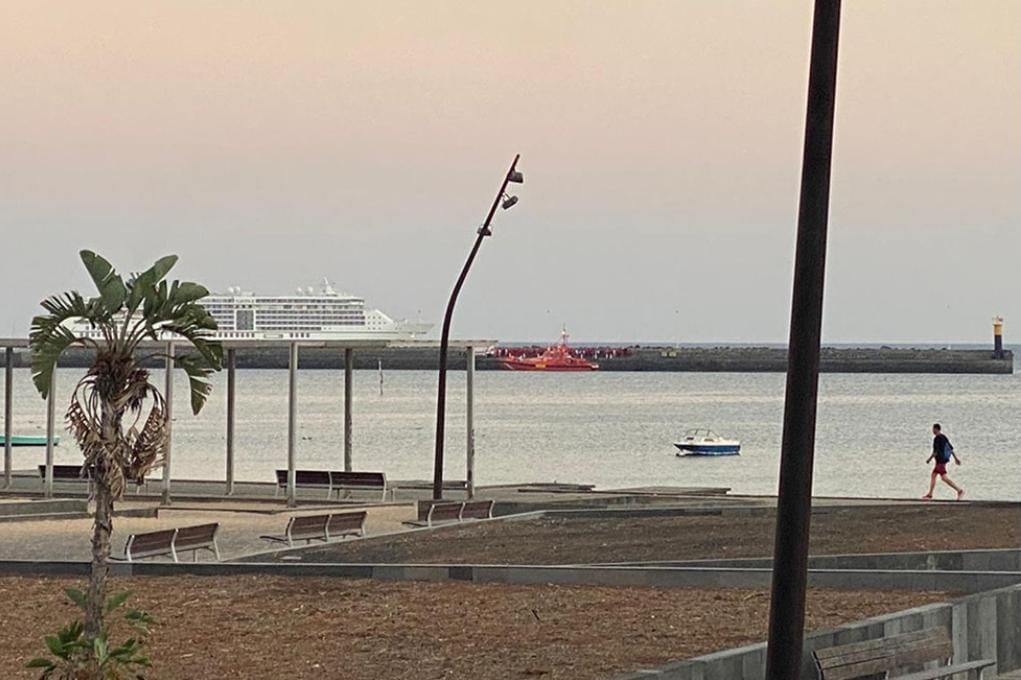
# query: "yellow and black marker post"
997 337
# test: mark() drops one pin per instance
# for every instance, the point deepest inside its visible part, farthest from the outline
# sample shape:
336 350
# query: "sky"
270 144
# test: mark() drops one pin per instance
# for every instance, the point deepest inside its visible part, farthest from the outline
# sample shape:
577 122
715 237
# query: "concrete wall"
982 626
948 560
685 577
704 359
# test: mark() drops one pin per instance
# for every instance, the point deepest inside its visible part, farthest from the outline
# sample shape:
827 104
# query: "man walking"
942 452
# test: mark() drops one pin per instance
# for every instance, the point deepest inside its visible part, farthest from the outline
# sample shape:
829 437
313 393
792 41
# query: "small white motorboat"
704 442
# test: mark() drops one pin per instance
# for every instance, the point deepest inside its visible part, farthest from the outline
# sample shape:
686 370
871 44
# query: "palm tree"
120 441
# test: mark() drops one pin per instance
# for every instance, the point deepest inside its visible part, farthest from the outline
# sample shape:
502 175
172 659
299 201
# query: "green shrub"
75 657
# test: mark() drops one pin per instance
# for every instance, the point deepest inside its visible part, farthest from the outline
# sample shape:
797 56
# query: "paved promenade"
240 527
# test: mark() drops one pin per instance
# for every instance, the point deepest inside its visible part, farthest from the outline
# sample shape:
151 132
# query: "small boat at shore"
559 357
705 442
28 440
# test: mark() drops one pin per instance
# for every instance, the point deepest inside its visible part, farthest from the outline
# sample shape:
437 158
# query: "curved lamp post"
513 175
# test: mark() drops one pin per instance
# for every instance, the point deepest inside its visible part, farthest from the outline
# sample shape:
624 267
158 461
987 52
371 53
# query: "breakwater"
690 359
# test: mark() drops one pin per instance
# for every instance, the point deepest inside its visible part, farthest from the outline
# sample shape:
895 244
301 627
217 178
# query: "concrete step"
44 516
52 506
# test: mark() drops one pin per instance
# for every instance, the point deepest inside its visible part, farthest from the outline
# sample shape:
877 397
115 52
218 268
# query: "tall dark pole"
794 505
441 399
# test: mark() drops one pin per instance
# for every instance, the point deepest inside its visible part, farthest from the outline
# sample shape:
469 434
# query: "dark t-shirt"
940 446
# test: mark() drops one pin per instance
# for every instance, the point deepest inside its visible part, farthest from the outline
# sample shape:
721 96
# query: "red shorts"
940 469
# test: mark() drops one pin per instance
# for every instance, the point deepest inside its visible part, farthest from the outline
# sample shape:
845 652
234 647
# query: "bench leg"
216 550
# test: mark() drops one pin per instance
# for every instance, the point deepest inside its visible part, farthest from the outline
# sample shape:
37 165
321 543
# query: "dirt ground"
256 627
863 529
551 541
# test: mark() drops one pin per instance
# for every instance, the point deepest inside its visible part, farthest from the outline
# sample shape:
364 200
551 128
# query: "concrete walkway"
240 528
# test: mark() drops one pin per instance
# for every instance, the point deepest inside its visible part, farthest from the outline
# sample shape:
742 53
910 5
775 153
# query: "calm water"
610 429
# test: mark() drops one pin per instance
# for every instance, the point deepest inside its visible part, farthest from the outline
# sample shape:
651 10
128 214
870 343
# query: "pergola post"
349 365
51 421
8 414
168 395
292 425
470 420
231 366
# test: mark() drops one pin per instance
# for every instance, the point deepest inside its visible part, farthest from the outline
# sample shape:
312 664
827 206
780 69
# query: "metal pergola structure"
231 348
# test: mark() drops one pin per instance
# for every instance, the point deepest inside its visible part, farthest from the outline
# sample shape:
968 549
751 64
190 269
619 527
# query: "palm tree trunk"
101 530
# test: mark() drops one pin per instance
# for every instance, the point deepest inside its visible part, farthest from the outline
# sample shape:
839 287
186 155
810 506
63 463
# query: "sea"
610 429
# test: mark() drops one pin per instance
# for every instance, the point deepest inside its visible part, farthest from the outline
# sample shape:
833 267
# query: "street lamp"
506 201
794 501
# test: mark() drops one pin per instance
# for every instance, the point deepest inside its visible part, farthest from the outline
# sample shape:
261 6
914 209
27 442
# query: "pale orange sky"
270 144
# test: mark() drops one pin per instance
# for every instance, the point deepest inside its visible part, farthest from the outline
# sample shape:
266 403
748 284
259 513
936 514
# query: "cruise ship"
308 314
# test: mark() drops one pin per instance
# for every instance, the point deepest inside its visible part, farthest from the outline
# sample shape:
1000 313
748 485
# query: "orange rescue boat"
557 357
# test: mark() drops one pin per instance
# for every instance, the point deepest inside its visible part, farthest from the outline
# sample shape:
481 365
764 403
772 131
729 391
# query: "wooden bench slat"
332 480
310 528
444 512
372 480
878 643
894 654
151 544
66 472
358 481
477 510
948 671
171 541
937 650
346 524
198 535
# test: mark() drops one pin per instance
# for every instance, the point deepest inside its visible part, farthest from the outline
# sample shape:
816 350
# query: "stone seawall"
692 359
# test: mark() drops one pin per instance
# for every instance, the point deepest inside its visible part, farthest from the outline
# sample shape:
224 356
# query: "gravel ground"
257 627
861 529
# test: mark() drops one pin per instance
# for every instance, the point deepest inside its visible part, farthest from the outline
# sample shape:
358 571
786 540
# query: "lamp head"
516 177
509 201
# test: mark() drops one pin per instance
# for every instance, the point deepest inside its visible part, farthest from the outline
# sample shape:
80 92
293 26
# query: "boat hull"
28 440
524 366
708 449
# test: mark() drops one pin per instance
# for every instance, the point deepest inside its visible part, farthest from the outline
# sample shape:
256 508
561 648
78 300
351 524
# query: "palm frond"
110 285
140 284
198 370
49 337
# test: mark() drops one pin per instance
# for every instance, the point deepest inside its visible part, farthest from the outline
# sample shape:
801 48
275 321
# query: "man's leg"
950 483
932 485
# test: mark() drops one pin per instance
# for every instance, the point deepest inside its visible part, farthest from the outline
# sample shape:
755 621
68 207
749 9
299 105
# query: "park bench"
443 512
358 481
305 479
346 524
897 656
477 510
334 480
459 511
171 542
66 473
321 528
76 473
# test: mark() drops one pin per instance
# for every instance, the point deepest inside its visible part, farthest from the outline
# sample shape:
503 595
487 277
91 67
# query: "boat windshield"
700 433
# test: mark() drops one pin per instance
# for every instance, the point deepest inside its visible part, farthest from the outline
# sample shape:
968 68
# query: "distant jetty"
646 358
